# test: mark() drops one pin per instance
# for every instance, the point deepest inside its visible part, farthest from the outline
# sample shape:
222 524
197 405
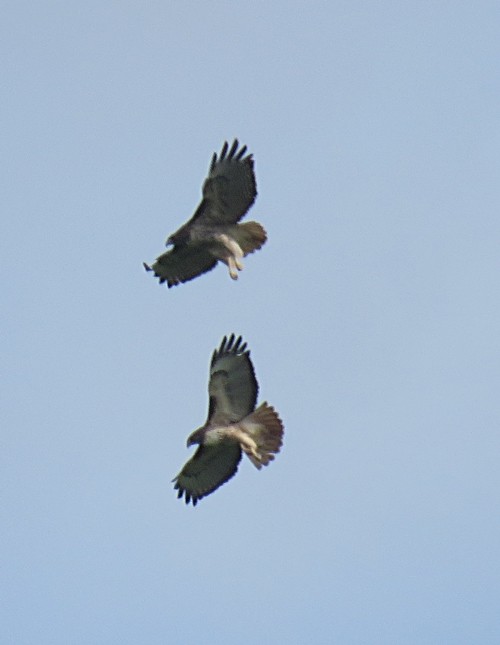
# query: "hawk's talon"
232 264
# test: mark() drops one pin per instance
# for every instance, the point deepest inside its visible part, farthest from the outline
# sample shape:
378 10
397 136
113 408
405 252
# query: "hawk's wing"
211 466
230 188
232 387
228 192
182 263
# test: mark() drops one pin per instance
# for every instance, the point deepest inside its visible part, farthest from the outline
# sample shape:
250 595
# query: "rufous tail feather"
266 429
250 236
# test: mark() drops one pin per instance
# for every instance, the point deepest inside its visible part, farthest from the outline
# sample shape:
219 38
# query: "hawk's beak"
169 241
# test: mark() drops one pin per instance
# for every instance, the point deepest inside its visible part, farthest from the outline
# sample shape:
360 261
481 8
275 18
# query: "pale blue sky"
372 314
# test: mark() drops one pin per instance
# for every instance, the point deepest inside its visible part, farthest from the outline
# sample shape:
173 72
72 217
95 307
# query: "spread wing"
230 188
228 192
182 263
232 386
211 466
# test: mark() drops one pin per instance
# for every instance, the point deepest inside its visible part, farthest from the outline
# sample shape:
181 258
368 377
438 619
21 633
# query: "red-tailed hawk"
233 425
213 233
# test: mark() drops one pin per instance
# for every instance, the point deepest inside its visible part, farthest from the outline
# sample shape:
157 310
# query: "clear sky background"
372 314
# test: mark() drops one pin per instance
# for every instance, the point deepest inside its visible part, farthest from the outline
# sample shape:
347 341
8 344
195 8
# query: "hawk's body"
213 233
233 425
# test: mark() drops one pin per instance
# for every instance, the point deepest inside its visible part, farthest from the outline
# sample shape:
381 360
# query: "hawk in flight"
213 233
234 425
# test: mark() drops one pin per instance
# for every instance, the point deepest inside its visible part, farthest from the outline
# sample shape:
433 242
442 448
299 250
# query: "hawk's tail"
266 429
250 236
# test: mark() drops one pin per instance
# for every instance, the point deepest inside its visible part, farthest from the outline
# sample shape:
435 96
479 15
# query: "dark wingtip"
234 147
241 153
146 266
223 151
232 344
231 153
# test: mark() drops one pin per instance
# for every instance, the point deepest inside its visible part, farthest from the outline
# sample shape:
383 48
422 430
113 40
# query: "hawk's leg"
234 261
252 451
247 444
232 267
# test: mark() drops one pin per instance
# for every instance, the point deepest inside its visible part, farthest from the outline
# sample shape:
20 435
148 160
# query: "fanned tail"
266 429
251 236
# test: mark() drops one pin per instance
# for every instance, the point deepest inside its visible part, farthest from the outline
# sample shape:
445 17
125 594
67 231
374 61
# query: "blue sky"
372 314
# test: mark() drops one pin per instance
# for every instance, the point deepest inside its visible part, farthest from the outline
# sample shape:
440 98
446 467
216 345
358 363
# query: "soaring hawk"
233 425
213 232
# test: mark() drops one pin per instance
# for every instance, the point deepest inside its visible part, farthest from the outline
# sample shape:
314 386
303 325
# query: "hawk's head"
196 437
